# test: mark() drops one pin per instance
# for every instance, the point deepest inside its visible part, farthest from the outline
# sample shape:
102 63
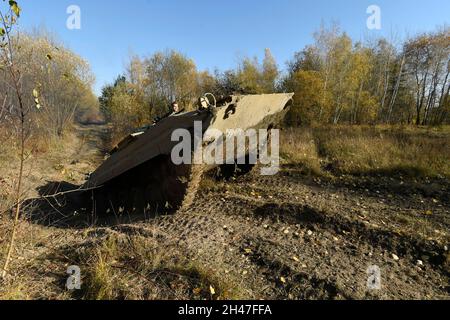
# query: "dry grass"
299 148
142 267
362 150
15 292
43 154
139 268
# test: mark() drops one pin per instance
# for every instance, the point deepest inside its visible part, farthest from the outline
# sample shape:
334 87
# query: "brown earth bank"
301 234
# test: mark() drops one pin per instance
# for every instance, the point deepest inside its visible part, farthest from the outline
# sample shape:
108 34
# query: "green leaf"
15 7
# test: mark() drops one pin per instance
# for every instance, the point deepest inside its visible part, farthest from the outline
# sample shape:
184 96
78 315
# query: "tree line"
336 81
339 81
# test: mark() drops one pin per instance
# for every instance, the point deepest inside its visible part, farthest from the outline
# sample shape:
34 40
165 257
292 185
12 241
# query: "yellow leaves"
283 280
428 213
295 259
308 87
197 291
255 194
15 7
59 167
202 290
71 176
36 98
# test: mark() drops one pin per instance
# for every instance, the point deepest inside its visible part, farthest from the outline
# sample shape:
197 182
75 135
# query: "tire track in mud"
334 214
288 282
359 232
301 234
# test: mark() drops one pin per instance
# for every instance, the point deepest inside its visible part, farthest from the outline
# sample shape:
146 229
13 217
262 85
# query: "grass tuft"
136 267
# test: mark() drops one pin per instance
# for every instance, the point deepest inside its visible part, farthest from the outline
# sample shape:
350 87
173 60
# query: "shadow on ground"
378 184
64 205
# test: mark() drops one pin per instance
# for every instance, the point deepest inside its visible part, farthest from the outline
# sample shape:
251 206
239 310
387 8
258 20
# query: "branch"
69 192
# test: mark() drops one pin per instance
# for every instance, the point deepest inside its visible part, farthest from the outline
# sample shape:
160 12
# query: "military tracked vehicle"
140 174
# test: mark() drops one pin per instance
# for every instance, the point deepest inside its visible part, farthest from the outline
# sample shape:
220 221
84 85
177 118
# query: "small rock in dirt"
420 263
286 231
296 259
309 233
395 257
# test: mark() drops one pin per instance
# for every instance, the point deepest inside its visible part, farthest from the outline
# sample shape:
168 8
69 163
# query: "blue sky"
215 33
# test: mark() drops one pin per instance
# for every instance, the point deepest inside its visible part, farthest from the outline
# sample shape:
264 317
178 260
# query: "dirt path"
284 239
287 236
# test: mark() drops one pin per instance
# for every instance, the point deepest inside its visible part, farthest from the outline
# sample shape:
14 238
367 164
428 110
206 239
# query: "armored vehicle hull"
140 174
